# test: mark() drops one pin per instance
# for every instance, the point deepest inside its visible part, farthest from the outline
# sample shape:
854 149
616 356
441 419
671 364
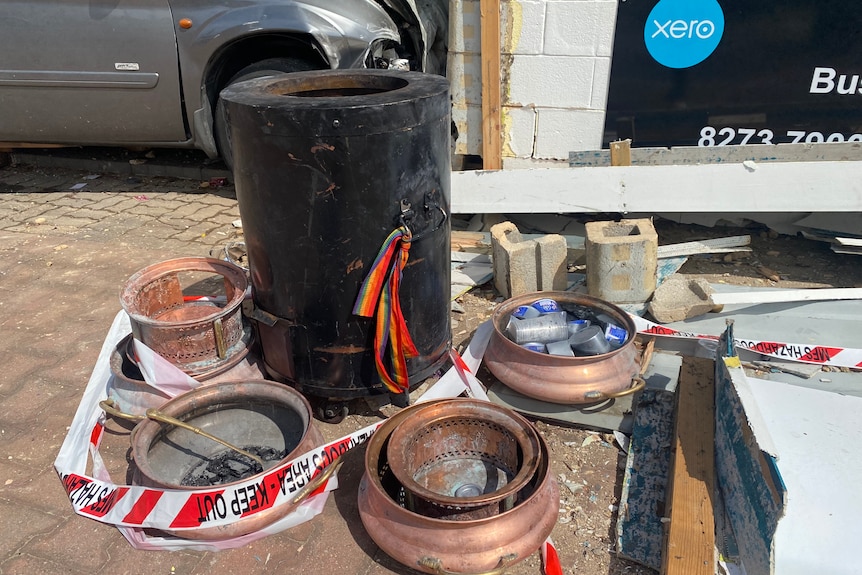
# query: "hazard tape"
804 353
135 506
95 496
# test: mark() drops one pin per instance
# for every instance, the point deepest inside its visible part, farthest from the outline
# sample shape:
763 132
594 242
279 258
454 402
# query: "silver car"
149 72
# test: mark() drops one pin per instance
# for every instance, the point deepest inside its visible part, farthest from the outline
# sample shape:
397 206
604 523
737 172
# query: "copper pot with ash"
458 486
558 378
267 420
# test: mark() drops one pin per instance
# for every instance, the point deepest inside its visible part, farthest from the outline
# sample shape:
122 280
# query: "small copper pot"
561 379
436 545
244 413
196 336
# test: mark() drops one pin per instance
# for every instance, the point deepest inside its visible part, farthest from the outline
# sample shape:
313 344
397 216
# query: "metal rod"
108 406
157 415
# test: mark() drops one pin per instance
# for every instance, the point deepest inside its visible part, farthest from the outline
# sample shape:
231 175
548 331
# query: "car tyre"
268 67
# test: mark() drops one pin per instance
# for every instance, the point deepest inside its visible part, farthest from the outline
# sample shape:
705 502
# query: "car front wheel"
262 69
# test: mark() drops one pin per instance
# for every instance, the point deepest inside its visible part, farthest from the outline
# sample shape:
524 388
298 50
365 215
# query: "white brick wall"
561 130
464 70
555 64
579 28
550 82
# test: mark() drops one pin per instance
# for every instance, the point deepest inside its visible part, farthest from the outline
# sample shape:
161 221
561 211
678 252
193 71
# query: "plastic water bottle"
543 329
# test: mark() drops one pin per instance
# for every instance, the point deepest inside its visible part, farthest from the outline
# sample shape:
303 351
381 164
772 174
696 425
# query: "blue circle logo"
683 33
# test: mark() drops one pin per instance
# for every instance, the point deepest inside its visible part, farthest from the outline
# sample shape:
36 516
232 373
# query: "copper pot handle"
638 383
435 564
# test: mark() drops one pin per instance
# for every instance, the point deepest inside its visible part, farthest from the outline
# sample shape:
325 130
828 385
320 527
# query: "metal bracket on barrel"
253 312
407 214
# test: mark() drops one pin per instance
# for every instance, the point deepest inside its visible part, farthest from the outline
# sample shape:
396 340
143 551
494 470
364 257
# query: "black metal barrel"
326 165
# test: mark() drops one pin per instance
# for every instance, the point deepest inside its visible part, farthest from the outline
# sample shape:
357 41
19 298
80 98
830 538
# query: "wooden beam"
492 148
708 246
709 188
7 147
690 548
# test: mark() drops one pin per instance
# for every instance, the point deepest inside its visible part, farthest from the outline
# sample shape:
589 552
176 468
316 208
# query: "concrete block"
523 266
560 131
514 261
523 26
601 84
551 262
465 78
679 298
464 26
529 78
580 28
468 121
622 260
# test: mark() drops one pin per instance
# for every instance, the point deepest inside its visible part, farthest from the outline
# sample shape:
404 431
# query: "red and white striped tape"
133 508
805 353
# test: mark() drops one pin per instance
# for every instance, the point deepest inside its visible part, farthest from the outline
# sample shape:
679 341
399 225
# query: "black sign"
724 72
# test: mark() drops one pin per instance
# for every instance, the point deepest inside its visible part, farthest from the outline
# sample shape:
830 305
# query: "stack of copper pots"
458 486
206 337
196 335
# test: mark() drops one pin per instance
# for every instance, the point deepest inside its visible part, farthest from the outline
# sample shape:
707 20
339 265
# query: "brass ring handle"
108 406
638 383
435 564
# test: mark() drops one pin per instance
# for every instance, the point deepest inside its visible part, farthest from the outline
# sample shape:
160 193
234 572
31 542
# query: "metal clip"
221 348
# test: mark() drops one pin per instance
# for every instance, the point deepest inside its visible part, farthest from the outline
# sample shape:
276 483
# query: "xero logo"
681 29
683 33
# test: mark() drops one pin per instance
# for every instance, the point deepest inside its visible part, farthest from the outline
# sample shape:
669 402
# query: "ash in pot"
229 466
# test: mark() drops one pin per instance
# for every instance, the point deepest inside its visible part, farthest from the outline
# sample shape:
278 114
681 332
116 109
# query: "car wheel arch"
237 63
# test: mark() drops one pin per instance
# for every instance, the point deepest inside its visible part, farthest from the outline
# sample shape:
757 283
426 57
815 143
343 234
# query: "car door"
89 72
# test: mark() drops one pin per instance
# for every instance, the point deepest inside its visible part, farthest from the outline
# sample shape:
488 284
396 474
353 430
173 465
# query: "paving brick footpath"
64 255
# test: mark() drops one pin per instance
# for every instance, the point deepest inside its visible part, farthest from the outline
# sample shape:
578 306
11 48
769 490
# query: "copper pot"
436 545
256 413
562 379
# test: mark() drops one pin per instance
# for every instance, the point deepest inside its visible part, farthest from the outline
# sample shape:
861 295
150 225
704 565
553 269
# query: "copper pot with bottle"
564 379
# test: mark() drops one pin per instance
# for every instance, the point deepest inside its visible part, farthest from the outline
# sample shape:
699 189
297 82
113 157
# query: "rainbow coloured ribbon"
380 293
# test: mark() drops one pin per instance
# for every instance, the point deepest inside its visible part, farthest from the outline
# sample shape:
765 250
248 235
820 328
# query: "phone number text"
710 136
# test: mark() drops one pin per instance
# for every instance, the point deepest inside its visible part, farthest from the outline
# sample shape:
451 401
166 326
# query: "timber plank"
690 547
492 147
